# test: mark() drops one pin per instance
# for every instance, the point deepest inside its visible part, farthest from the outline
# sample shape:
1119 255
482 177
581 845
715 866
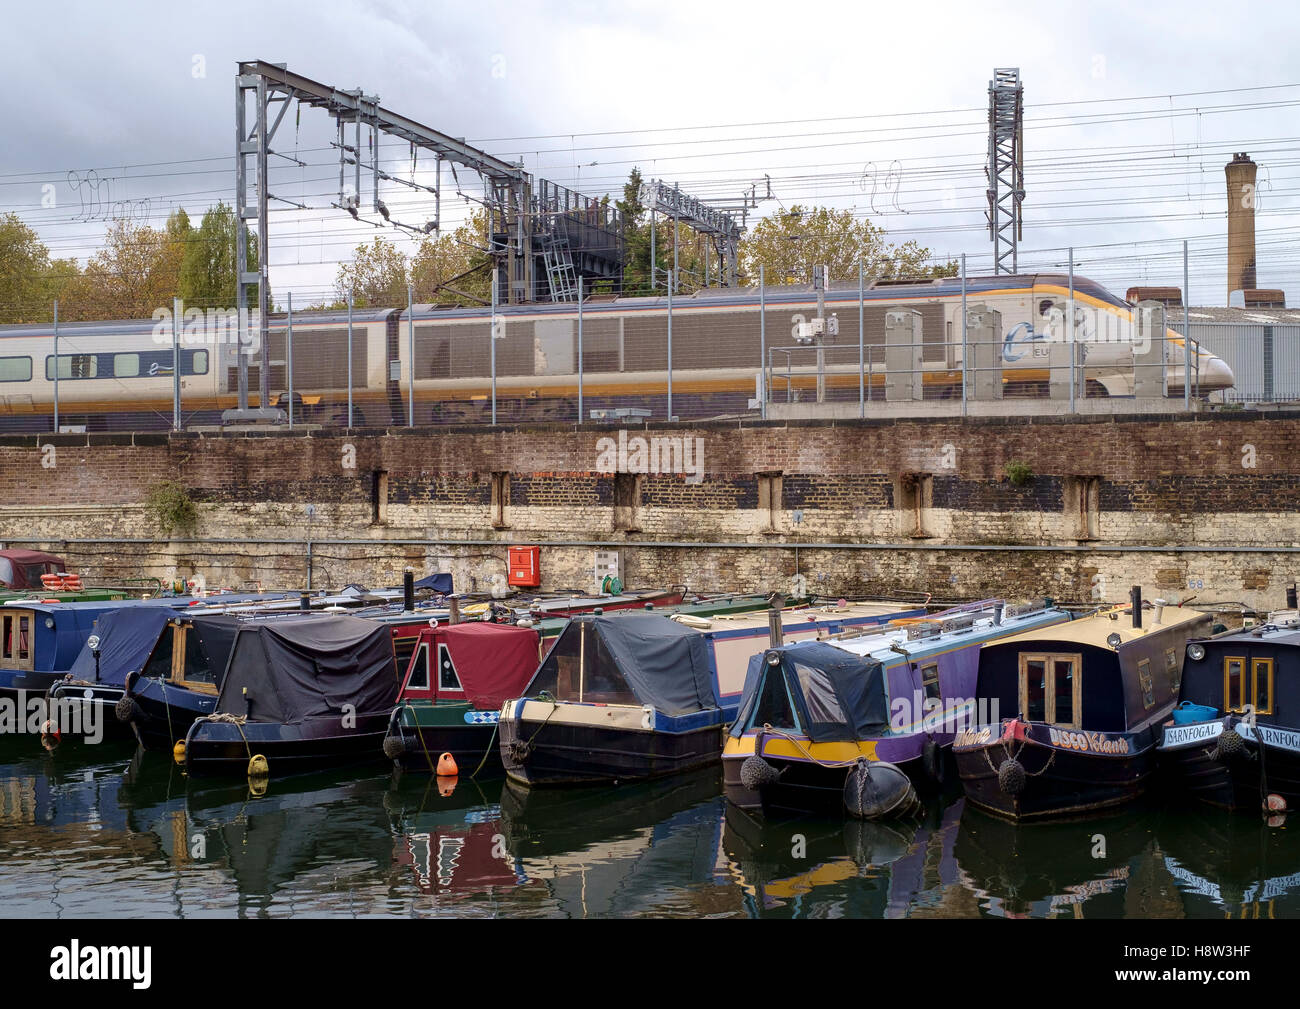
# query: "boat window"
16 648
1174 670
774 707
1033 689
1148 685
1063 684
6 573
1261 675
1050 689
403 648
580 668
447 678
819 695
1233 673
192 667
15 369
159 663
419 678
930 680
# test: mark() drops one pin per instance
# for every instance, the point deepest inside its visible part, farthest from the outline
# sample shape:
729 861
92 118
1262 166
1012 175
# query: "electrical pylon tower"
1006 166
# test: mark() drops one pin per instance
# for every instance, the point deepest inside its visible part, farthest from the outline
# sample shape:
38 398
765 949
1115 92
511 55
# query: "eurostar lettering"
1088 742
1187 735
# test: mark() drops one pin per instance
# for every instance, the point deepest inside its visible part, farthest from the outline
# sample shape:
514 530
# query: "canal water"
101 831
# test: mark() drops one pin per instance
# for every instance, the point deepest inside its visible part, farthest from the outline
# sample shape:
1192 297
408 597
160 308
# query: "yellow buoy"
178 751
447 766
258 767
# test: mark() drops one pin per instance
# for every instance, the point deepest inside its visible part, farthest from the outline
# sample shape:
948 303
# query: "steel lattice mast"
1006 166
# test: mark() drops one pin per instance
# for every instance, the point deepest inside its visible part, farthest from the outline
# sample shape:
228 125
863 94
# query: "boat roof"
791 616
1095 628
1273 633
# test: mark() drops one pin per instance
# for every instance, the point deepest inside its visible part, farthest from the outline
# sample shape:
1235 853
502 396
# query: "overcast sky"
877 108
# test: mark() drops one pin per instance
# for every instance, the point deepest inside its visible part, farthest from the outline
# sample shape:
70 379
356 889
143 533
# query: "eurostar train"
118 375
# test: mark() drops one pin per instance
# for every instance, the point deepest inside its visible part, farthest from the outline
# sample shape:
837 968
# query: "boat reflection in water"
813 868
1077 869
650 848
1232 866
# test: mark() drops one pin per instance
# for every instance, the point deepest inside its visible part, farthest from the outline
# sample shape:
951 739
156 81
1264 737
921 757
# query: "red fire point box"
525 567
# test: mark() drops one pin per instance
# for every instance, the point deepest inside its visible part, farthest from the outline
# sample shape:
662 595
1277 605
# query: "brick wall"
1173 501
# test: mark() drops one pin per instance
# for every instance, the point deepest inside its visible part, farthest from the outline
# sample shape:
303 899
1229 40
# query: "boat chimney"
1135 599
997 614
1160 609
408 591
454 616
1290 596
774 633
304 601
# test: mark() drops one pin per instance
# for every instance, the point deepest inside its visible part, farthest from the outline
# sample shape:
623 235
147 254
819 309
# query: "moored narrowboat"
877 707
458 678
299 693
1089 698
1234 740
618 698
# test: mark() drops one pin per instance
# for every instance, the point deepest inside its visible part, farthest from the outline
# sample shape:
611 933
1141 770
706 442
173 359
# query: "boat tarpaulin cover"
440 582
126 637
633 658
840 696
493 661
290 670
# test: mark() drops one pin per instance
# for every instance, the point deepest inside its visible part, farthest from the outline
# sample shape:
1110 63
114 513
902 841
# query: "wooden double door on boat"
1051 688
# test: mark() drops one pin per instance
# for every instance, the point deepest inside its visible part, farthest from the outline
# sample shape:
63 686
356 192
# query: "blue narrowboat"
1234 740
879 708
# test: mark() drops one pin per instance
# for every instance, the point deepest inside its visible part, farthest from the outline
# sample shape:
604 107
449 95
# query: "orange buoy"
447 766
447 785
1275 803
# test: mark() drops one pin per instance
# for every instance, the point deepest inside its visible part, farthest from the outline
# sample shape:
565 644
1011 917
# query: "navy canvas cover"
440 582
660 662
288 670
840 696
126 637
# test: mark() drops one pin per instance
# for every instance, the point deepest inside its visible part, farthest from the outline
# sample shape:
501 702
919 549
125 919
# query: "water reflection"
104 830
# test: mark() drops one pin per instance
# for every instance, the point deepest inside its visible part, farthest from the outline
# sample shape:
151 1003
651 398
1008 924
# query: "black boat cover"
126 637
840 696
288 670
633 658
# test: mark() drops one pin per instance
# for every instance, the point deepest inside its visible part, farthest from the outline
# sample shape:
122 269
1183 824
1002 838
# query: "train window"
126 365
198 363
73 366
15 369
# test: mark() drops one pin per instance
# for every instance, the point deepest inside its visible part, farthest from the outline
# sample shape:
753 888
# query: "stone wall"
1204 505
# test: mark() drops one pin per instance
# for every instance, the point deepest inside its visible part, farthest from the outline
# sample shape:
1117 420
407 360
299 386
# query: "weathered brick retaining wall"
1165 502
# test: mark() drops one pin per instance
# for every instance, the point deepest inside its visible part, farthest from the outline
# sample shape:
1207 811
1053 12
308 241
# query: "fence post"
177 311
862 335
349 360
410 353
963 334
492 342
288 355
580 349
670 335
1187 339
762 343
56 365
1074 351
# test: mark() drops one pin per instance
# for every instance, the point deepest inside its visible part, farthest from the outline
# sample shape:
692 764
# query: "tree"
29 282
441 267
376 277
790 243
207 273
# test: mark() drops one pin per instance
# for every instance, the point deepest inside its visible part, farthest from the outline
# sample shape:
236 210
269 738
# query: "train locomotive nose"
1215 374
